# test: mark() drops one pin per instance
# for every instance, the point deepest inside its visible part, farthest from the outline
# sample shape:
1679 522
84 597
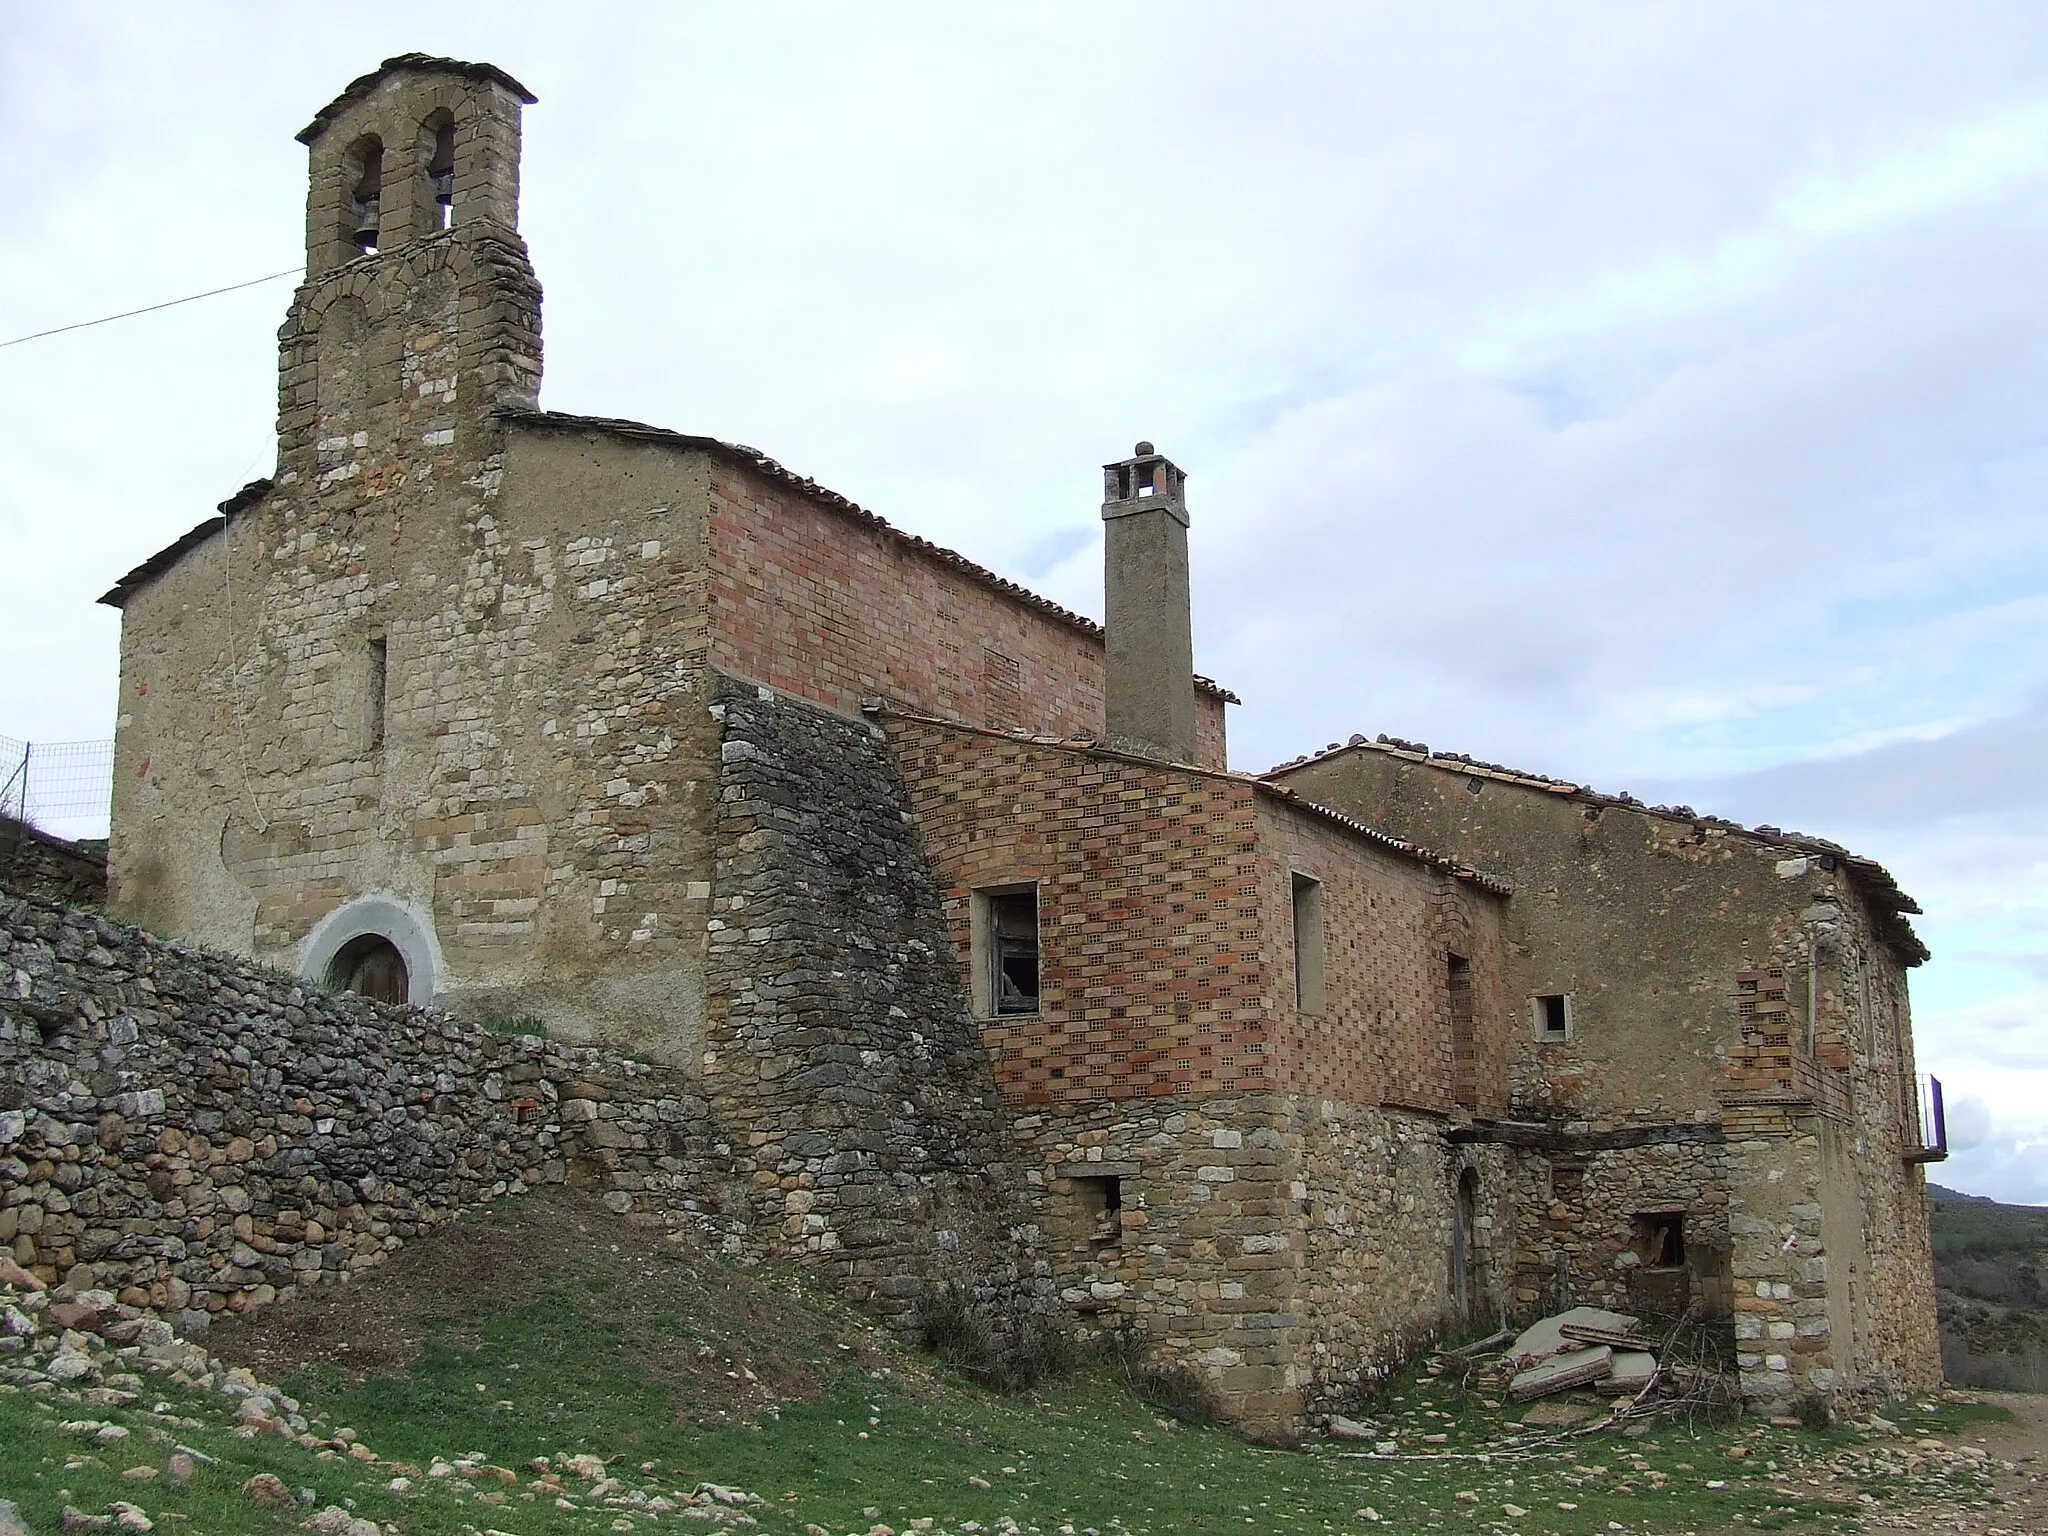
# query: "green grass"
587 1362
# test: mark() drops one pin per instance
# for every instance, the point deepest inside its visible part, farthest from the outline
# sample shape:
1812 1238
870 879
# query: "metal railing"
64 788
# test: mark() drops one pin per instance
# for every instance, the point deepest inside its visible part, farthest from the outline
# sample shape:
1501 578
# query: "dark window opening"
1553 1016
1102 1201
1013 952
1464 1049
441 169
379 690
1660 1239
367 197
369 965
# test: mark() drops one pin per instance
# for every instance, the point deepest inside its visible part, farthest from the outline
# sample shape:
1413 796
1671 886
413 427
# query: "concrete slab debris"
1560 1373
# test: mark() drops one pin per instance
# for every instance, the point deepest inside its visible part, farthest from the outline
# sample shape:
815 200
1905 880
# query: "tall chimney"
1150 687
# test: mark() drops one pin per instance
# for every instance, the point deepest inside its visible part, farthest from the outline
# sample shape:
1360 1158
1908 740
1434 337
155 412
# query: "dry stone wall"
842 1053
199 1135
50 867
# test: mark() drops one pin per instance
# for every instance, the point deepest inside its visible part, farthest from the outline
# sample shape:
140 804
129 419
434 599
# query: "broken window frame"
1542 1012
1004 954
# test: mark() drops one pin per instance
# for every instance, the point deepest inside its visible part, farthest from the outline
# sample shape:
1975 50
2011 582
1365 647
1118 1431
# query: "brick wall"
812 599
1384 1033
1153 977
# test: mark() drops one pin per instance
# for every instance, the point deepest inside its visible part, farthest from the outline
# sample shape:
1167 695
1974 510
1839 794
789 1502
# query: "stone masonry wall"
199 1134
842 1056
1290 1250
41 865
1578 1241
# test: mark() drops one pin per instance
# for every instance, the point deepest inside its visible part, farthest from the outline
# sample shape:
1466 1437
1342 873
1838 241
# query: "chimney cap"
1143 449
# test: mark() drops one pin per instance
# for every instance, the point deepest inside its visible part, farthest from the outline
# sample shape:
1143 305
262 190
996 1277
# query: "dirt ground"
2018 1500
724 1338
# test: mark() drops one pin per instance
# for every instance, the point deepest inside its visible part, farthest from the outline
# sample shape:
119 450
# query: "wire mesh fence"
63 788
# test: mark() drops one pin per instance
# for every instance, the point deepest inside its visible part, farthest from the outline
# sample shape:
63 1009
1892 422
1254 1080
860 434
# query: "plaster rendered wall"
1716 979
812 600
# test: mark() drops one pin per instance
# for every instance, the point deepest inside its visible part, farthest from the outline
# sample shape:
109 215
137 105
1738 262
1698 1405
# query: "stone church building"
645 738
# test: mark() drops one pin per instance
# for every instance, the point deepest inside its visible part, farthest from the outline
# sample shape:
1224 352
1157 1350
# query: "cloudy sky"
1649 394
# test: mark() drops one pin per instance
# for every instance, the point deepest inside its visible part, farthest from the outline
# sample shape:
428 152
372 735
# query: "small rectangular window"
1308 943
1553 1016
1660 1239
1102 1202
1006 963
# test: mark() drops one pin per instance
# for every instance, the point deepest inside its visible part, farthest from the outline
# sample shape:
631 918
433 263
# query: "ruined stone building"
943 901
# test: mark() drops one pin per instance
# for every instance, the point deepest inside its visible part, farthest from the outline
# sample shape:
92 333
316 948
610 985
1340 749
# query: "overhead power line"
129 314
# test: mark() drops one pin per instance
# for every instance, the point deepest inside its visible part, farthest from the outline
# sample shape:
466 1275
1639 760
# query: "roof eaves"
408 63
755 459
249 495
1892 903
1090 747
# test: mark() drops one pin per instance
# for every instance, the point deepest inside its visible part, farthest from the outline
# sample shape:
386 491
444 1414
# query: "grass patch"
676 1369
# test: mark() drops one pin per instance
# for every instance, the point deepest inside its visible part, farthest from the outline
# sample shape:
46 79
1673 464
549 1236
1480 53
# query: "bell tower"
419 314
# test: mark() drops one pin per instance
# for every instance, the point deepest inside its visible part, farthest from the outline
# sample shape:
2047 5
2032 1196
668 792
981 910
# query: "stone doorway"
1464 1267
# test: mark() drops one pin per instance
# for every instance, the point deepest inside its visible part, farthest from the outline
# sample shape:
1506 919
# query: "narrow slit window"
1553 1016
1464 1047
378 691
1308 943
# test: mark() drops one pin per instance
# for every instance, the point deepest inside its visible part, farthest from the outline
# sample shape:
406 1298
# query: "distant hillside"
1991 1290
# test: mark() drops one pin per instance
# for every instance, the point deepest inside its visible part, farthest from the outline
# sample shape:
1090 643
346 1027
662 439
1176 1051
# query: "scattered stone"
1555 1413
10 1517
1348 1429
267 1491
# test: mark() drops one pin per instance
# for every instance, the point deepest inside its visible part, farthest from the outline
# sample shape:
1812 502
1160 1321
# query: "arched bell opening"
437 154
363 213
370 965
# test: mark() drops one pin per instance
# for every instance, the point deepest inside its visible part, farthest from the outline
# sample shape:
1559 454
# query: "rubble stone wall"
38 864
842 1057
1579 1238
1290 1250
203 1135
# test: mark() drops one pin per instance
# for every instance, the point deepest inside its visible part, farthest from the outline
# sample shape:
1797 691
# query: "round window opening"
370 966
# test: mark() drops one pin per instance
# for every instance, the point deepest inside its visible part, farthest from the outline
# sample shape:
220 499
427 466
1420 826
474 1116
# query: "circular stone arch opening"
375 946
